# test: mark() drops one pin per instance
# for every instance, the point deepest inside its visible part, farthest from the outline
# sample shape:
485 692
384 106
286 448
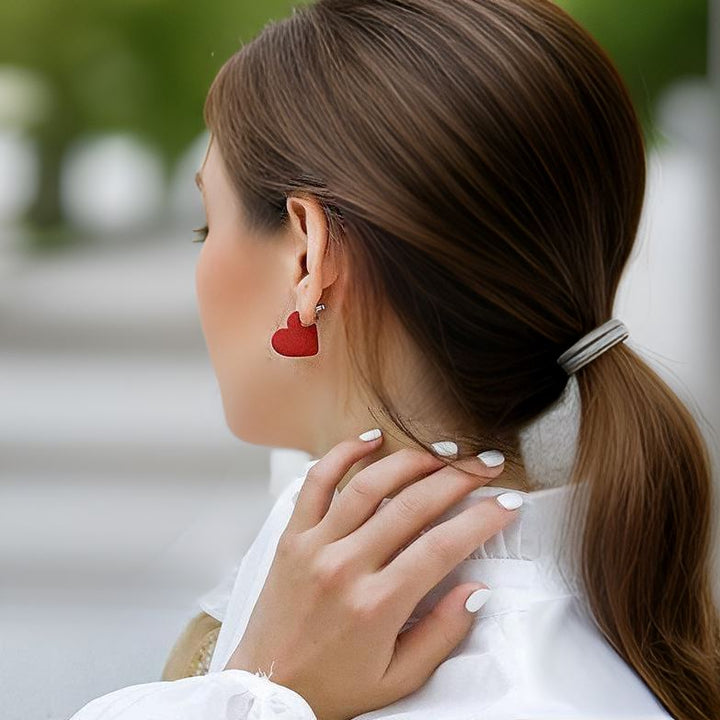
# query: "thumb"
424 646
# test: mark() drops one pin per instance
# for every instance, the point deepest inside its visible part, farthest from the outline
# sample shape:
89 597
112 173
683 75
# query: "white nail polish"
446 448
510 500
373 434
477 599
492 458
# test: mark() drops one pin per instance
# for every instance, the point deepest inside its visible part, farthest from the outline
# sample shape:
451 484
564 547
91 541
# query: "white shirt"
533 652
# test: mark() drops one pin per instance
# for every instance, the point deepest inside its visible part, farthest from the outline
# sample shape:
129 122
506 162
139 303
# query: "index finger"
316 492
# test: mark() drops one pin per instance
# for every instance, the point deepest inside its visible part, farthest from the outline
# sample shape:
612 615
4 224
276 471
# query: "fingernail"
368 435
477 599
447 448
492 458
510 500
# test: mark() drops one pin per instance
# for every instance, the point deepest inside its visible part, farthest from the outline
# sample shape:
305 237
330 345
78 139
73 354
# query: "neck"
432 420
513 476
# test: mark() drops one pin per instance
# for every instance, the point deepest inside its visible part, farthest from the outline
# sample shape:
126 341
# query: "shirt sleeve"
225 695
214 602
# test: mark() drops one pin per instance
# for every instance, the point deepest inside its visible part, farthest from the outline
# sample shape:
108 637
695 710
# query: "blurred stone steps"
117 469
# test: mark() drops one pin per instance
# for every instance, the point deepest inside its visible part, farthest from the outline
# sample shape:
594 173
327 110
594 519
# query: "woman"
423 209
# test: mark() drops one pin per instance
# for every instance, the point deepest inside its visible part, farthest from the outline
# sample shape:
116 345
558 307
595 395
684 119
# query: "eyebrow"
198 180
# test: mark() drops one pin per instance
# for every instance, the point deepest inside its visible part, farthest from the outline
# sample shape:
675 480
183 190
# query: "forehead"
217 186
207 152
212 170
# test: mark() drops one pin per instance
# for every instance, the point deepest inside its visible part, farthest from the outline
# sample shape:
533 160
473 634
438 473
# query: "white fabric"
285 465
226 695
548 446
534 650
221 694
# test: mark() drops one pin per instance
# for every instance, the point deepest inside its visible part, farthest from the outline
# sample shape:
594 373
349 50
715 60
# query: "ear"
316 268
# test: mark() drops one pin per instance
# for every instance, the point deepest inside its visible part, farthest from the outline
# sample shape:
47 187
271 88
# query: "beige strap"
192 651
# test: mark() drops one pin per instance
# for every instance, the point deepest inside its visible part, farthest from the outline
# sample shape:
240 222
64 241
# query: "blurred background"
123 495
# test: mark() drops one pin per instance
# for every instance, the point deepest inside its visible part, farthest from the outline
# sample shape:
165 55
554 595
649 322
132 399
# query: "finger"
360 498
420 650
386 477
318 488
410 511
487 464
427 560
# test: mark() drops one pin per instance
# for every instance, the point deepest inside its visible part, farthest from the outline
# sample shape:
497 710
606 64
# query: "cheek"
215 295
227 281
239 293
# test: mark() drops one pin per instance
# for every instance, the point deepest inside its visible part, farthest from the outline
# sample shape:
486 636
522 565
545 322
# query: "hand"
346 576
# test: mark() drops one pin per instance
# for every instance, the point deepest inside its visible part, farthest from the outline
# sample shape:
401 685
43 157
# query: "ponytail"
646 544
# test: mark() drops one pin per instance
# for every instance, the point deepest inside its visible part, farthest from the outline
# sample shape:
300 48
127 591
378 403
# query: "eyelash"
204 230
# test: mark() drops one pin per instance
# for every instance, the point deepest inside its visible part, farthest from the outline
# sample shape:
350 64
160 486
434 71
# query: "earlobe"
306 301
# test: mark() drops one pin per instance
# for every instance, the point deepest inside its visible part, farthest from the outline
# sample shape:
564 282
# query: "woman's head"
247 282
461 184
482 175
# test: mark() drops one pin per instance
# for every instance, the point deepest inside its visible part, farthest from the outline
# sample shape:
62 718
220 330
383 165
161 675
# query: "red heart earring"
296 340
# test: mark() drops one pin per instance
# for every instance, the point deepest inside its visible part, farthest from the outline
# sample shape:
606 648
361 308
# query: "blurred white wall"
669 294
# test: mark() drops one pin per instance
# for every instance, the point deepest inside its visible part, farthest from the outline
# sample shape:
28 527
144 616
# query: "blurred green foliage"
652 42
137 66
144 66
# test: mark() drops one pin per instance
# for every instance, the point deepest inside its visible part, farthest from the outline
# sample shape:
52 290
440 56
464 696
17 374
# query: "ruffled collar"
538 536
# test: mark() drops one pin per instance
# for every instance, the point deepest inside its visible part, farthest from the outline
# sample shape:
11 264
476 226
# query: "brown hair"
483 170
